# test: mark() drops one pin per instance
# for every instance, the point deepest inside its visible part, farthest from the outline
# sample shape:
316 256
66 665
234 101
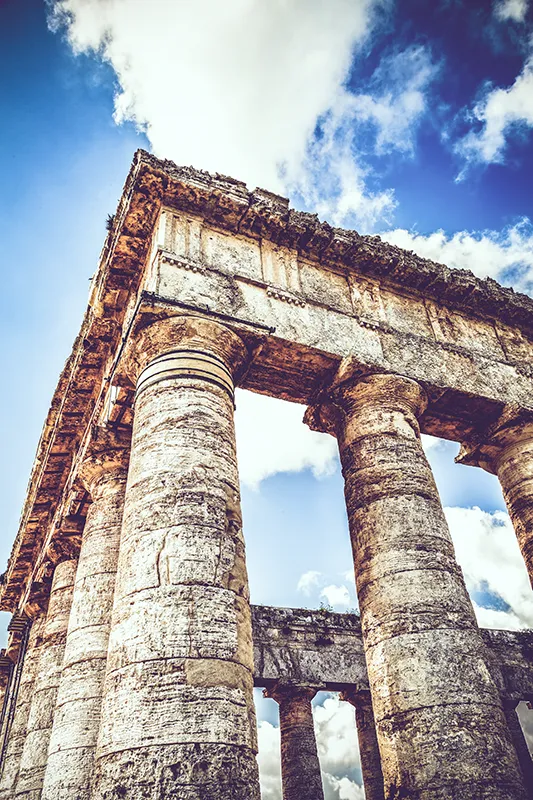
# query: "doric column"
39 726
6 671
300 768
520 744
178 718
439 719
16 733
79 699
368 743
506 449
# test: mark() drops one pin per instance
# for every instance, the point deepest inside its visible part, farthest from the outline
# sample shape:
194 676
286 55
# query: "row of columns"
151 679
300 767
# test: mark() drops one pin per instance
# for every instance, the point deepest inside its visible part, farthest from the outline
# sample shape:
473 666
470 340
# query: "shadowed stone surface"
39 727
17 733
77 714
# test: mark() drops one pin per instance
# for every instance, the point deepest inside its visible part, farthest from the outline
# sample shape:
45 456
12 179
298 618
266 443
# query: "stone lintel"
324 650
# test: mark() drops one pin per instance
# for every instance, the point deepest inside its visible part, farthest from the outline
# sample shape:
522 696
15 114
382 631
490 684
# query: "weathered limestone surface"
510 660
77 714
368 743
35 753
312 648
17 733
178 716
440 723
506 449
300 768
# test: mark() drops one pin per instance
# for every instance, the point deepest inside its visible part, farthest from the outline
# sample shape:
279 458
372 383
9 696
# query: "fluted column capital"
293 692
512 431
353 394
105 459
185 347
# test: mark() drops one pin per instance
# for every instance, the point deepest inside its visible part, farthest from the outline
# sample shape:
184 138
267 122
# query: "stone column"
17 731
506 450
300 768
6 670
178 718
39 726
520 744
368 743
79 699
439 719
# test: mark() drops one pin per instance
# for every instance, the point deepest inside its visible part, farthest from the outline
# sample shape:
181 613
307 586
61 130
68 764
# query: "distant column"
17 731
300 769
39 726
178 718
79 699
520 744
506 450
439 719
368 743
6 670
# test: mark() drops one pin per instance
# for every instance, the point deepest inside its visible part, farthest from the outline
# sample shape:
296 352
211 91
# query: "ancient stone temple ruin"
133 649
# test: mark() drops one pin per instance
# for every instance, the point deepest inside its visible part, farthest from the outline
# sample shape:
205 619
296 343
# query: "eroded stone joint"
192 364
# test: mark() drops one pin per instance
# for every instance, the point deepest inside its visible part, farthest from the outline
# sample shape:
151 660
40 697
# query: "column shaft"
178 717
41 714
439 720
17 732
300 768
368 744
77 716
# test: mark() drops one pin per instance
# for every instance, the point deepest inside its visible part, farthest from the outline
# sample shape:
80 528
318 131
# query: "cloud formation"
262 91
514 10
234 87
505 255
496 577
272 438
500 113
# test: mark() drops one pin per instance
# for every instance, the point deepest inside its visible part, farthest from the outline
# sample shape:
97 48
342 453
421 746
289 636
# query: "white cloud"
399 99
309 581
272 438
337 748
493 254
330 180
514 10
499 113
234 87
269 760
336 596
342 789
242 87
488 552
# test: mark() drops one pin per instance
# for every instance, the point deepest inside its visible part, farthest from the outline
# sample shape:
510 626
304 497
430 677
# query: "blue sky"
412 120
